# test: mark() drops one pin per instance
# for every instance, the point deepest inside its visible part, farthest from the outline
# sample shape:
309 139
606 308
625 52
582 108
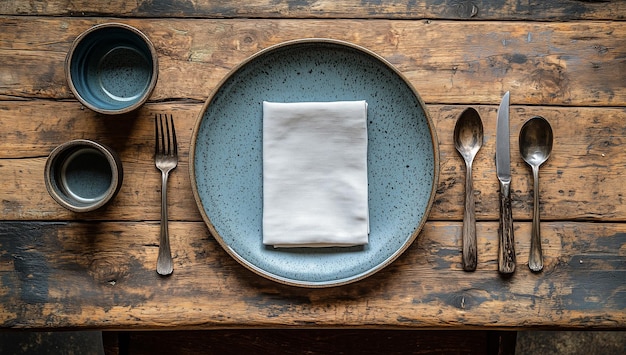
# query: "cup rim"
61 151
103 26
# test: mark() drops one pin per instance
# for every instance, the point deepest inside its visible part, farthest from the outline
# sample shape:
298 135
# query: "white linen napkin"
315 174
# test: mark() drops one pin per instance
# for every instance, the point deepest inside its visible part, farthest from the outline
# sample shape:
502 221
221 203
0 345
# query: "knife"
506 250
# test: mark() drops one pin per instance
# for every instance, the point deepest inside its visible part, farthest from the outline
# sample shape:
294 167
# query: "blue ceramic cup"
112 68
83 175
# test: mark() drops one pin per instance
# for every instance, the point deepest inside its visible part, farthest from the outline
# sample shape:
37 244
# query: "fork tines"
161 147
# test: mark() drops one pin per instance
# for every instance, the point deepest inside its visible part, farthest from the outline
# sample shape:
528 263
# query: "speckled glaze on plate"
226 158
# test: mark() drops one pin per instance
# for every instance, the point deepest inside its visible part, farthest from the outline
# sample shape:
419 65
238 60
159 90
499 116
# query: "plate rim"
290 281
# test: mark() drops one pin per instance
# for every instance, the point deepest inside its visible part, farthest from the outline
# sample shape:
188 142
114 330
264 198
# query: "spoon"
468 138
535 145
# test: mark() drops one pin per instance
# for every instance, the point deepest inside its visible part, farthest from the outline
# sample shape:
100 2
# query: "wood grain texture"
581 180
61 270
400 9
101 275
454 62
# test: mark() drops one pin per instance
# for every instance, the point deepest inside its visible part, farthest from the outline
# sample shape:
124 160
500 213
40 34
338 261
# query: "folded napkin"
315 174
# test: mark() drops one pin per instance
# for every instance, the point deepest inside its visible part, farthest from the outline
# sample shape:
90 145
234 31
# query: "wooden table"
564 60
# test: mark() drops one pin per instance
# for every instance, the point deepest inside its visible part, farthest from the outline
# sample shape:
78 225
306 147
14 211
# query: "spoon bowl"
468 138
535 145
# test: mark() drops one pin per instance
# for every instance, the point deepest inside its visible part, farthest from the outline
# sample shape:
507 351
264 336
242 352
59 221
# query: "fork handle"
165 266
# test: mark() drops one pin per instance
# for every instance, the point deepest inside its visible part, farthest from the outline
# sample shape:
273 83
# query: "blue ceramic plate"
226 158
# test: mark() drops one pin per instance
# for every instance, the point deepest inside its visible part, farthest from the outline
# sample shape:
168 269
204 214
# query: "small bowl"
112 68
83 175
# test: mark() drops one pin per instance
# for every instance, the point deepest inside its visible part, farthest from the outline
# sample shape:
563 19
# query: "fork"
166 159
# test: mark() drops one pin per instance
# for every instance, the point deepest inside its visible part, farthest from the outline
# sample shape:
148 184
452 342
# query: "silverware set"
535 144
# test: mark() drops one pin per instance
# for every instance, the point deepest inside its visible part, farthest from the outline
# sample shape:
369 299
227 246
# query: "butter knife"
506 249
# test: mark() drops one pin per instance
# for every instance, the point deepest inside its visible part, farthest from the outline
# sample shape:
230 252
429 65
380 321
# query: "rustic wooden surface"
400 9
61 270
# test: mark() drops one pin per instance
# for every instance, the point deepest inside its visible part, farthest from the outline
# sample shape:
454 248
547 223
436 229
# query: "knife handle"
506 255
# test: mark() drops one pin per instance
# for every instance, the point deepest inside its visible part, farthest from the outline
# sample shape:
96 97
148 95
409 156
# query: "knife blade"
506 250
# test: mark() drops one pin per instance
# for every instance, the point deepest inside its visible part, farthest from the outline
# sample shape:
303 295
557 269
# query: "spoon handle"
470 253
506 255
535 261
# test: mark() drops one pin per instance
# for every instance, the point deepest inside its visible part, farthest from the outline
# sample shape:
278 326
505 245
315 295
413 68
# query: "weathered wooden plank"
101 275
47 124
466 62
581 180
400 9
